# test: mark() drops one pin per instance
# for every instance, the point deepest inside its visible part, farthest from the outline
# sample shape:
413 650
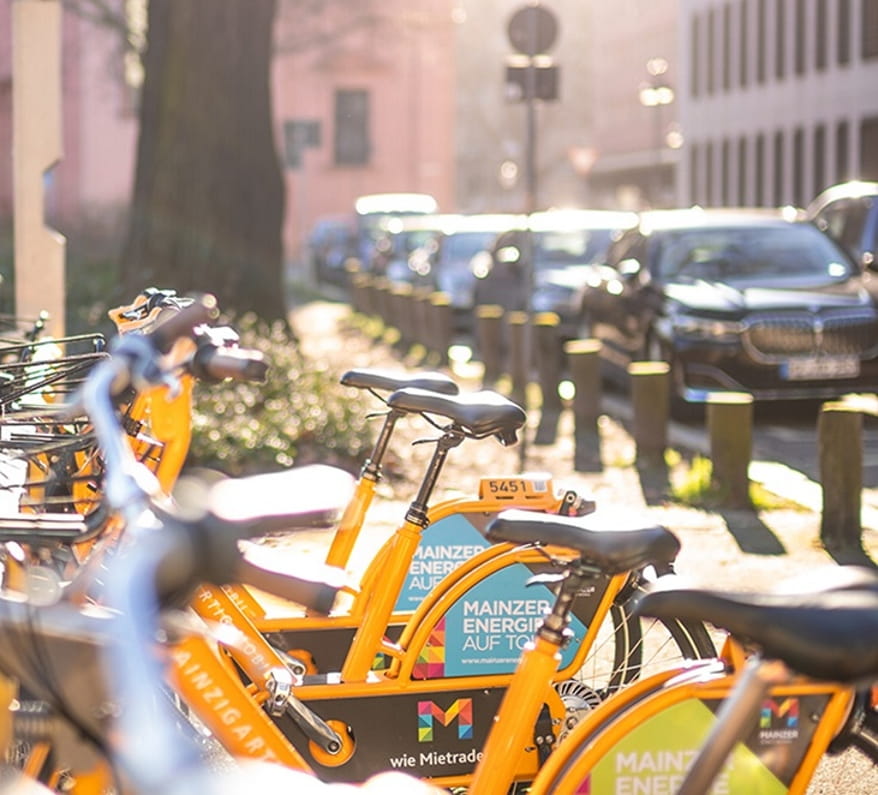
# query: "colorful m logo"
779 713
462 709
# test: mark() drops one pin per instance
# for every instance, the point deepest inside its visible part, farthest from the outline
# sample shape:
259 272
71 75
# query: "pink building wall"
403 58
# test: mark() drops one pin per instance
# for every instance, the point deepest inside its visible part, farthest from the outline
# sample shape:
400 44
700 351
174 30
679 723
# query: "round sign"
532 30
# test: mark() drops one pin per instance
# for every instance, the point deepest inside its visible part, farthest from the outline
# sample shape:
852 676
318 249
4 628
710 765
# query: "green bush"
300 415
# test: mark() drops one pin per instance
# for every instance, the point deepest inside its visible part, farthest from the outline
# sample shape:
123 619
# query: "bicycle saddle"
826 628
481 414
390 381
602 538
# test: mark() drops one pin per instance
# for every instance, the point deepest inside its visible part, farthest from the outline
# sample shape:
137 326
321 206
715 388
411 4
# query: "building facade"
780 99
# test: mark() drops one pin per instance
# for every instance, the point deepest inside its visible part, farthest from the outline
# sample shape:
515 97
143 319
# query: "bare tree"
208 199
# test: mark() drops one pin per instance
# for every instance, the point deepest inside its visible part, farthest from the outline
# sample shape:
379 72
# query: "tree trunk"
208 197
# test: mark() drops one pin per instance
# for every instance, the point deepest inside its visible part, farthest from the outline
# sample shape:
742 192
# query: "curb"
783 481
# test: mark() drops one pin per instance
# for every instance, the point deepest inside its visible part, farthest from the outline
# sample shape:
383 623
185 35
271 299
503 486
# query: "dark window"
869 147
695 66
820 29
780 39
299 134
761 26
819 158
844 31
759 171
708 174
709 50
727 46
799 167
801 26
725 173
352 145
777 192
742 170
870 29
694 152
841 152
743 41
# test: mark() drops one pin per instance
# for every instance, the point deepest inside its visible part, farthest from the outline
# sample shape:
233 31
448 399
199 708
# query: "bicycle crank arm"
313 726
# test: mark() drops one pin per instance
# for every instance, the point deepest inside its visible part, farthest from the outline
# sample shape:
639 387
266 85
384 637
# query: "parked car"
849 213
373 210
398 238
443 261
332 241
565 244
758 301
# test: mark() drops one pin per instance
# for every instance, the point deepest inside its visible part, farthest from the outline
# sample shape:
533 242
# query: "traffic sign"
532 30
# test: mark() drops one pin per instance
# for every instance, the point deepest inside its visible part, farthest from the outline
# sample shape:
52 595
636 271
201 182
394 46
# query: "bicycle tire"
629 647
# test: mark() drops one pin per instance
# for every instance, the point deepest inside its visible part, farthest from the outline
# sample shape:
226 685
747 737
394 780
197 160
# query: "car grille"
777 337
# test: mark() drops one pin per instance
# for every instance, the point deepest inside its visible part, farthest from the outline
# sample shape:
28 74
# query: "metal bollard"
650 400
730 428
547 349
584 361
519 366
840 448
490 343
442 325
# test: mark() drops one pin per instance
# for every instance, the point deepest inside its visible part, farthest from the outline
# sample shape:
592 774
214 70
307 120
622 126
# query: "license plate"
821 367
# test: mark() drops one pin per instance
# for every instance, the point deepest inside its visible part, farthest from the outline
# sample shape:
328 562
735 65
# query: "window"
694 152
743 40
777 194
725 173
844 32
841 152
780 38
761 23
759 170
709 50
708 174
742 170
820 54
352 145
801 26
869 29
799 167
695 65
869 148
727 46
820 181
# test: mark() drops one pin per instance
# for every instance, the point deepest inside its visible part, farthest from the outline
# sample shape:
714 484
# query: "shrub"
300 415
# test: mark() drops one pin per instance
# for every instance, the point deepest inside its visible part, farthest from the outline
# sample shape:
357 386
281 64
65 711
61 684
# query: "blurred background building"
657 103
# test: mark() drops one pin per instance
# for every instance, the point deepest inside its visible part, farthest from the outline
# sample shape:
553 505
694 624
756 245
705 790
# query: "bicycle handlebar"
214 364
183 323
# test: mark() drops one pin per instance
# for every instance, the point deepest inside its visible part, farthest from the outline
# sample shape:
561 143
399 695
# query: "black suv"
849 214
742 300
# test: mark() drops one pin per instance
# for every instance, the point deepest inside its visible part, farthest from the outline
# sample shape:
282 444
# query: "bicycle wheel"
629 647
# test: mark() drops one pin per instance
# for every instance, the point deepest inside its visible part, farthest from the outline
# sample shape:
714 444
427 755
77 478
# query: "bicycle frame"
648 734
349 642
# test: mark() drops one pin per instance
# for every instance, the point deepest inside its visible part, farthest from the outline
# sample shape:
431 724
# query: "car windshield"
462 246
570 247
789 253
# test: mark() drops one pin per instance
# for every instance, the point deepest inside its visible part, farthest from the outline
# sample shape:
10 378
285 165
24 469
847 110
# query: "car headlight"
704 328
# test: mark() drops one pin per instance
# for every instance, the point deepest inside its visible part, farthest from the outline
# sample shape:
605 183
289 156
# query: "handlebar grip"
217 364
317 595
182 323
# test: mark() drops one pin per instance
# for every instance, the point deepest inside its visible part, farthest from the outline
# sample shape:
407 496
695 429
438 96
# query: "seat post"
417 512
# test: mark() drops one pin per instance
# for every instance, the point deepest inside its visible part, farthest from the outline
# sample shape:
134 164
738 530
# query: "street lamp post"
656 93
